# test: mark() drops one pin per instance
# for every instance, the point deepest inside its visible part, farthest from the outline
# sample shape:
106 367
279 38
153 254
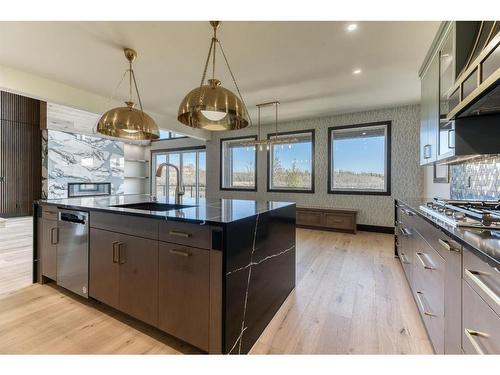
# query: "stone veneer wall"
406 177
478 179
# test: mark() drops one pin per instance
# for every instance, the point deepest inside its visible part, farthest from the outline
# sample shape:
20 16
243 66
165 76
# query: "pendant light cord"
234 81
203 76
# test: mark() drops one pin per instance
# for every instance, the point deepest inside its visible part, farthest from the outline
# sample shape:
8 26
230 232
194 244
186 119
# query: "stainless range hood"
476 91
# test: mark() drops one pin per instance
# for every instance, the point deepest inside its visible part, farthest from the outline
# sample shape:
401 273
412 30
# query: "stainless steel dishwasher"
73 251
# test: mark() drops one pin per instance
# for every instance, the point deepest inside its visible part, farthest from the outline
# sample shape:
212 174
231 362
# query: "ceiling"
307 66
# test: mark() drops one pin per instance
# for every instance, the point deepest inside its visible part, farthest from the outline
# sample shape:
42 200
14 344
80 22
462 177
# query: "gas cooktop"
463 213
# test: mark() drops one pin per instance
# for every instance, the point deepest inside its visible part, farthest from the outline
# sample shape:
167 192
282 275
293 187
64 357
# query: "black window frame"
313 163
388 164
179 150
221 164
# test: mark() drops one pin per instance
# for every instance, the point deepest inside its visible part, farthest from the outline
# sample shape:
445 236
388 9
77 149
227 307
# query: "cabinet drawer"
428 280
184 293
132 225
481 325
309 218
339 221
185 234
483 278
436 238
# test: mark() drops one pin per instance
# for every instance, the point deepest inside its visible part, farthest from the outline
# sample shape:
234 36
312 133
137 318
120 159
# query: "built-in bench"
335 219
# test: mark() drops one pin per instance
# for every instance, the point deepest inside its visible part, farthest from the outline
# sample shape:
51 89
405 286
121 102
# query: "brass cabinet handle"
115 252
179 234
422 306
54 240
474 276
471 335
447 246
425 265
121 253
180 252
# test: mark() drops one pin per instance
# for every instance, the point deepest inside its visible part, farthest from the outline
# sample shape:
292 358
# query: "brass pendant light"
129 122
211 106
263 143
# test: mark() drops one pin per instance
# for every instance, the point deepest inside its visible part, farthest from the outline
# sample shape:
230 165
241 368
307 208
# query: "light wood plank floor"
16 254
351 297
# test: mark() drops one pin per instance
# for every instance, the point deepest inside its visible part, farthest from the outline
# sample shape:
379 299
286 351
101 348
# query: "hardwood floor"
16 254
351 296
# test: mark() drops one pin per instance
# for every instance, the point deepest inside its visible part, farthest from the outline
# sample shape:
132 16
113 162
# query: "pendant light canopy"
211 106
129 122
266 143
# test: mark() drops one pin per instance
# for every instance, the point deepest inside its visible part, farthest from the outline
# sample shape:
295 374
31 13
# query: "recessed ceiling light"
352 27
364 133
356 71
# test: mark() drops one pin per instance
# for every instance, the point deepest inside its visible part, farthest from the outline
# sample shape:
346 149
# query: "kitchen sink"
153 206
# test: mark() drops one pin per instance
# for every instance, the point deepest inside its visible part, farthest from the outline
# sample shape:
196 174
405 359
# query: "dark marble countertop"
210 211
485 243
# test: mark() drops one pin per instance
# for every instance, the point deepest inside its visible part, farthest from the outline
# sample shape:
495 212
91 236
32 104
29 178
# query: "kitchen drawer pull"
404 259
407 212
425 265
471 336
115 252
474 276
405 232
179 234
422 306
54 239
121 253
179 252
447 246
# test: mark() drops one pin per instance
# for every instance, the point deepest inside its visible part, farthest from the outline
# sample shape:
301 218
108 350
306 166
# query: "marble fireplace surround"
69 157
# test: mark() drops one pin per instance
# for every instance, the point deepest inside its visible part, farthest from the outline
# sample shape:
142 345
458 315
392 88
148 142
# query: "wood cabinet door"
184 290
138 263
48 248
104 267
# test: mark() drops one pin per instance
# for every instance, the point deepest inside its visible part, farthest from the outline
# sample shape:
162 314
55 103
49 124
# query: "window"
192 163
359 159
165 134
238 163
291 165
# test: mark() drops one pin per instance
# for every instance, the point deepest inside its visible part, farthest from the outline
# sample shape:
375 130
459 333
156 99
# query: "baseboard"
375 228
327 229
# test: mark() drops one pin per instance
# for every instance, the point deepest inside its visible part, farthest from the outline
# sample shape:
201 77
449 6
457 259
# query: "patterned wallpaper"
407 176
476 179
68 157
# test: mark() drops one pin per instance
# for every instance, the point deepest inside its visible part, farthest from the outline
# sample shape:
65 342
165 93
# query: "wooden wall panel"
20 154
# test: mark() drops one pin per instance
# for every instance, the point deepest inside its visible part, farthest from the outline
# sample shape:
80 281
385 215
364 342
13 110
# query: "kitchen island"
210 272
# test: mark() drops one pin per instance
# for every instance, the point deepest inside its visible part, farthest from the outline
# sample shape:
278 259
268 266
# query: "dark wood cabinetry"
20 154
124 273
104 277
165 284
184 293
138 260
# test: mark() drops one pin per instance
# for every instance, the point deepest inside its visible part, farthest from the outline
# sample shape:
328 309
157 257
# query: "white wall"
407 175
37 87
431 189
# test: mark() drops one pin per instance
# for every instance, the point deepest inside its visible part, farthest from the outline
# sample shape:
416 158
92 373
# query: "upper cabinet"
429 111
460 72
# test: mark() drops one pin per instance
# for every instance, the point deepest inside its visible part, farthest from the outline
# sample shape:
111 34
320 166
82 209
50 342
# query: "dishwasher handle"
73 217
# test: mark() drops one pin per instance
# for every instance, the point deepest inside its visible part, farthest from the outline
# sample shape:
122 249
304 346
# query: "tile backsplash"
478 179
